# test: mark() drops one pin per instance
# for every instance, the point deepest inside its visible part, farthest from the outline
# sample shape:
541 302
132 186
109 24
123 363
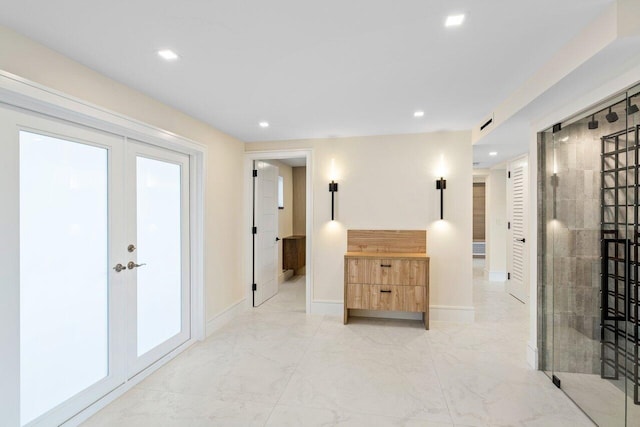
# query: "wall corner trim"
532 355
226 316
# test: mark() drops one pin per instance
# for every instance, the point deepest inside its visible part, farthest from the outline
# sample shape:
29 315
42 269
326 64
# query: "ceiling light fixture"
612 116
168 54
593 124
454 20
493 153
418 114
264 124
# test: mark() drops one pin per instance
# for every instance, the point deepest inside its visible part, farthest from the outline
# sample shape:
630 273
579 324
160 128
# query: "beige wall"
285 216
223 275
300 200
388 182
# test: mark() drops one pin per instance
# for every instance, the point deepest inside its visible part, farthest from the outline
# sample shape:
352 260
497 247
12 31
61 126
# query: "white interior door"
266 221
157 253
71 229
517 245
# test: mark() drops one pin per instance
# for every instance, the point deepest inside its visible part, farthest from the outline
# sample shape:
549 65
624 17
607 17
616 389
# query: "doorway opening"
280 231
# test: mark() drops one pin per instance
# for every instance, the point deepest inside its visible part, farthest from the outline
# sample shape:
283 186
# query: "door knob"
131 248
133 265
119 267
277 239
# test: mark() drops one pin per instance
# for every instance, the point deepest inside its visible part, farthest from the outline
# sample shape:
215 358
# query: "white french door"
157 202
104 278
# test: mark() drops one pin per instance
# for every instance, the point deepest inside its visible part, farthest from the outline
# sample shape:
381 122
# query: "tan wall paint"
300 200
388 182
223 200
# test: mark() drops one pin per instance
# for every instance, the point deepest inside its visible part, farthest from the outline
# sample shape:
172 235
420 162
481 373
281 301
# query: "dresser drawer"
396 272
414 298
376 297
356 270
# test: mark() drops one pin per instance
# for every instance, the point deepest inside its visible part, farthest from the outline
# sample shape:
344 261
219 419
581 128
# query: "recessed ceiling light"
493 153
264 124
418 114
168 54
454 20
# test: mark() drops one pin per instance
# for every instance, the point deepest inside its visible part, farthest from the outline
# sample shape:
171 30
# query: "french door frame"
29 97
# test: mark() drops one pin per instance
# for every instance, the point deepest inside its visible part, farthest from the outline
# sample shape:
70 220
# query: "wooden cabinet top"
411 244
294 237
387 255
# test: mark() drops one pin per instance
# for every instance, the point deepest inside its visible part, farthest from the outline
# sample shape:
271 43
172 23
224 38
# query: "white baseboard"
226 316
452 313
284 276
532 355
327 308
443 313
497 276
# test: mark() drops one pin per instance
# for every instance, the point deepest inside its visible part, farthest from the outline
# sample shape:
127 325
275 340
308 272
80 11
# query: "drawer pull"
386 292
385 265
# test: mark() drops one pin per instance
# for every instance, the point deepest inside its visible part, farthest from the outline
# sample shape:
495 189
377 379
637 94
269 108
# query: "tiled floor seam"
294 370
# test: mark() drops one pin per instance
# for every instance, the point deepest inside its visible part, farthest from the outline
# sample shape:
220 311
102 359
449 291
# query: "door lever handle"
521 240
131 265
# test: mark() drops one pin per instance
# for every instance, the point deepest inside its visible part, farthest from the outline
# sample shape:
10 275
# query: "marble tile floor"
275 366
603 401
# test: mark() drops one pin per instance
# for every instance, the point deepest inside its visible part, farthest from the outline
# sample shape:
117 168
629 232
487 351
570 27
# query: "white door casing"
517 245
266 223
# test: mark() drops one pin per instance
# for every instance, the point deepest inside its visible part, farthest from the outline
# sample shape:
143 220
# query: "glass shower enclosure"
589 258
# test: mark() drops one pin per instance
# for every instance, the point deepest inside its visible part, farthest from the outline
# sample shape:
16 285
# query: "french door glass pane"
159 289
64 295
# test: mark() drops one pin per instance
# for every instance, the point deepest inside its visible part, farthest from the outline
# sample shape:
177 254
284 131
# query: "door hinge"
509 225
556 381
508 276
254 230
509 174
255 173
254 287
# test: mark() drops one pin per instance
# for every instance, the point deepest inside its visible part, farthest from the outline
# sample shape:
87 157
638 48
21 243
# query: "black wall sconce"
441 184
333 187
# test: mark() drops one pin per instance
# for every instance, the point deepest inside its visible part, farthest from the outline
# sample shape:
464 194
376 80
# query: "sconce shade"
612 116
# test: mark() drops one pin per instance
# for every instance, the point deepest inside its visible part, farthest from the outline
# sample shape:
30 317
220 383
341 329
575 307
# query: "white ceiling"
312 69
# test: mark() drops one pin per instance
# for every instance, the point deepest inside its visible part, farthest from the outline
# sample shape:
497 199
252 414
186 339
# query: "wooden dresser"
293 252
387 270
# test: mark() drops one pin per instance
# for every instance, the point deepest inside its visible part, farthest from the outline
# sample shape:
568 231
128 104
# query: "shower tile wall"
570 246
